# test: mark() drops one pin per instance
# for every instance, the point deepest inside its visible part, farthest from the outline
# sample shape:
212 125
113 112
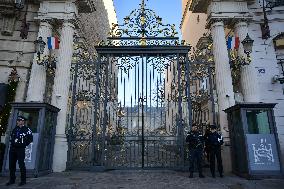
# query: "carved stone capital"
241 23
69 23
231 12
235 22
57 23
61 10
229 22
213 21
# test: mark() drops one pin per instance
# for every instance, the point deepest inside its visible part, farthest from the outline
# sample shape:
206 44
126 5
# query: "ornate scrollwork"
161 63
84 95
116 130
143 22
199 70
159 92
126 63
142 27
140 41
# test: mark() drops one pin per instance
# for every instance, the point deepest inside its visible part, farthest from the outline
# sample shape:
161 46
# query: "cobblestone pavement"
144 179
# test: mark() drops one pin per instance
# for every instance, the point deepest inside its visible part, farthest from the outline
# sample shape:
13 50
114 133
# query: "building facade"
259 82
70 21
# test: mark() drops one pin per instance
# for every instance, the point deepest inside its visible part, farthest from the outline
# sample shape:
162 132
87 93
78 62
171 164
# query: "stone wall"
265 60
15 51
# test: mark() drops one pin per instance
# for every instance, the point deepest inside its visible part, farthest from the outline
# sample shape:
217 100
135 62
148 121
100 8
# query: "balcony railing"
199 6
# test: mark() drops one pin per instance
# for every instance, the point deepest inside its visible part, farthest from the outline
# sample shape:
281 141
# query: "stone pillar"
60 95
248 73
37 80
223 75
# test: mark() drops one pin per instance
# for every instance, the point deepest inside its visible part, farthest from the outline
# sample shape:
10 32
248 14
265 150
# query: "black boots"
22 183
200 175
221 175
13 182
10 182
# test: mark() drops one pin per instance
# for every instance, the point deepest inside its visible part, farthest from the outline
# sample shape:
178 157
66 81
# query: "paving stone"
141 179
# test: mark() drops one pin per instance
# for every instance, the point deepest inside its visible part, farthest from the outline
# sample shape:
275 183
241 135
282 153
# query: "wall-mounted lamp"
235 60
48 61
39 47
247 44
277 78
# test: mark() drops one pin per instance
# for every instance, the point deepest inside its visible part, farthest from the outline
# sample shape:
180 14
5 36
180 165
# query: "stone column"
223 74
60 95
248 73
37 80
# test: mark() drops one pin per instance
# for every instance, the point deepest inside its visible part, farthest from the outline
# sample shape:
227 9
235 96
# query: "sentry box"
254 142
41 119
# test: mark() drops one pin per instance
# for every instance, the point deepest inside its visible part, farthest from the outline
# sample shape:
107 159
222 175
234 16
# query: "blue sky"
168 10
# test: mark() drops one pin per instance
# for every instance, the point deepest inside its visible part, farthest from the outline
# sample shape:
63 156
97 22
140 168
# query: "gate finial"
141 27
142 5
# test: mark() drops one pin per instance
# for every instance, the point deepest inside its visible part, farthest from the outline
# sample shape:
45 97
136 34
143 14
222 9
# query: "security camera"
277 78
227 95
58 95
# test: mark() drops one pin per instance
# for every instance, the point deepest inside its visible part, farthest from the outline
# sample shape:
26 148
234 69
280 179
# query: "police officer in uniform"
195 142
214 141
20 137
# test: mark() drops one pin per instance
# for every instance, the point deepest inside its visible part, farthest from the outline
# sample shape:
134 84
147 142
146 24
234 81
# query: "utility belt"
213 146
197 146
18 146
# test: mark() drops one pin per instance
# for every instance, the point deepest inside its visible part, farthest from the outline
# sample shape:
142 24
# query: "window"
257 121
32 118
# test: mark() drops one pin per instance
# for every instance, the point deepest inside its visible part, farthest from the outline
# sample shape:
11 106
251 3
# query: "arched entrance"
129 107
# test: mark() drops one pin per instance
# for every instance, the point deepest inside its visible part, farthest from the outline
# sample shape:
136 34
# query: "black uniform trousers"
195 154
17 154
216 152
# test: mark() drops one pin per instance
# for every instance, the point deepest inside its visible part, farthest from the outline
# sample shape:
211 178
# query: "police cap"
21 118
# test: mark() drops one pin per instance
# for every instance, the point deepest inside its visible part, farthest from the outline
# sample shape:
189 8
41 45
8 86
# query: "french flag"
52 42
233 42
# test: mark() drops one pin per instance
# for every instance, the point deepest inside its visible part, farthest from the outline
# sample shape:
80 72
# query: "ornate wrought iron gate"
129 108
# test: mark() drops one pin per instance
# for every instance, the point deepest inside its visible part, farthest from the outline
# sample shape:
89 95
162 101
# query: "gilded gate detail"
130 105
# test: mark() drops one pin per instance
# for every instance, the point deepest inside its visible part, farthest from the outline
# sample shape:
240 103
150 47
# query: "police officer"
195 142
206 148
214 141
20 137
